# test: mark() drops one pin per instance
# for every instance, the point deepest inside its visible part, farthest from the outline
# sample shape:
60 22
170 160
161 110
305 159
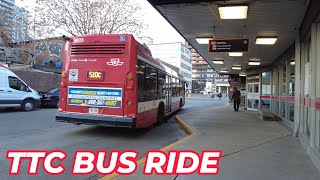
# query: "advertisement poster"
99 97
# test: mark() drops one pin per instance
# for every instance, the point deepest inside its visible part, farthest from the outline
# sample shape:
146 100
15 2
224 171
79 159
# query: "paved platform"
252 148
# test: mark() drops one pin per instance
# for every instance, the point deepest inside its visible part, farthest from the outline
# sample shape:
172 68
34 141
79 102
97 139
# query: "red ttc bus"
112 80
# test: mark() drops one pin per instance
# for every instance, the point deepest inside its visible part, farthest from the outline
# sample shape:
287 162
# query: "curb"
188 128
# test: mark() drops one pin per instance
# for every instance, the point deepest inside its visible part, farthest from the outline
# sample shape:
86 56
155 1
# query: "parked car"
51 98
204 92
16 93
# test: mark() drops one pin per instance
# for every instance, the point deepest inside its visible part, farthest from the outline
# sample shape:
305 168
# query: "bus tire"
180 104
27 105
160 116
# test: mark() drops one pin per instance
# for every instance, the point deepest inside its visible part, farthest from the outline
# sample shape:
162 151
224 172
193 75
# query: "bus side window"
150 83
161 84
168 85
174 85
141 77
183 88
179 87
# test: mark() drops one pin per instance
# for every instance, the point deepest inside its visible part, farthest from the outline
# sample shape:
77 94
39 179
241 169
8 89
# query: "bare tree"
81 17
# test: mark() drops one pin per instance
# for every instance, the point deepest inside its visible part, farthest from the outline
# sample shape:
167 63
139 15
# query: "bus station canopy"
200 19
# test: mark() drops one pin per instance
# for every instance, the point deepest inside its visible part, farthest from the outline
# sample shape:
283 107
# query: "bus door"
168 93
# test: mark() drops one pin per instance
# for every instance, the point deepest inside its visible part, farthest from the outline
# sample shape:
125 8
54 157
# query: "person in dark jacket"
236 98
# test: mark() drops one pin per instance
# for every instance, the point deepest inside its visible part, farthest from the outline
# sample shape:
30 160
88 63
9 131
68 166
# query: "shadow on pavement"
100 131
9 110
104 132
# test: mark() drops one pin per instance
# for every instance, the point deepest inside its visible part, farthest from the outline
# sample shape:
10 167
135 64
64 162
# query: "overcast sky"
158 28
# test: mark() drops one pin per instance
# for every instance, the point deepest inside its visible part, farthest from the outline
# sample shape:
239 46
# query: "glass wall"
305 76
283 69
291 90
306 90
275 91
308 80
282 90
265 90
316 86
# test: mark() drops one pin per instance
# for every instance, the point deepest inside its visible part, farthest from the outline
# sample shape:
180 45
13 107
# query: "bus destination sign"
228 45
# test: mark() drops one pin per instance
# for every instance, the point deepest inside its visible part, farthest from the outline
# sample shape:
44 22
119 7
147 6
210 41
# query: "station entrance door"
253 96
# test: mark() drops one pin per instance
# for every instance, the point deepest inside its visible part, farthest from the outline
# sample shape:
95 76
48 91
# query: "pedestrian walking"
236 98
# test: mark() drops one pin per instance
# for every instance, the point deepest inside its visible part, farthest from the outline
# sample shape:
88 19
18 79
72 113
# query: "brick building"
39 81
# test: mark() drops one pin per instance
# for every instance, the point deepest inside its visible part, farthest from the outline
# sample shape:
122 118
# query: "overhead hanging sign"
228 45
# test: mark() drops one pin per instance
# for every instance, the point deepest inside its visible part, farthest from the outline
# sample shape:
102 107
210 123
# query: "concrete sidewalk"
252 149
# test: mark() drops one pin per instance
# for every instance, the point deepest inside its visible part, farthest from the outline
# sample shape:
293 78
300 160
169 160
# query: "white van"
15 93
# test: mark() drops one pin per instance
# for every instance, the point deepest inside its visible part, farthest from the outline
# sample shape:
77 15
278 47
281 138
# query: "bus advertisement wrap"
95 96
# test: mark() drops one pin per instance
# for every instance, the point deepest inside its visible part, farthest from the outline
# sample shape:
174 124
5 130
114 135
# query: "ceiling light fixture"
236 67
236 54
203 40
242 75
218 61
255 59
292 63
254 63
224 71
266 40
233 12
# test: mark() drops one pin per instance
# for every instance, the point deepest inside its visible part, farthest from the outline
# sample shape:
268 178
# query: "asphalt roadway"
38 130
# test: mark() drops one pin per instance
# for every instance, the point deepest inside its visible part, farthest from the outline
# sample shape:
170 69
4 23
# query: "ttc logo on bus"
115 62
